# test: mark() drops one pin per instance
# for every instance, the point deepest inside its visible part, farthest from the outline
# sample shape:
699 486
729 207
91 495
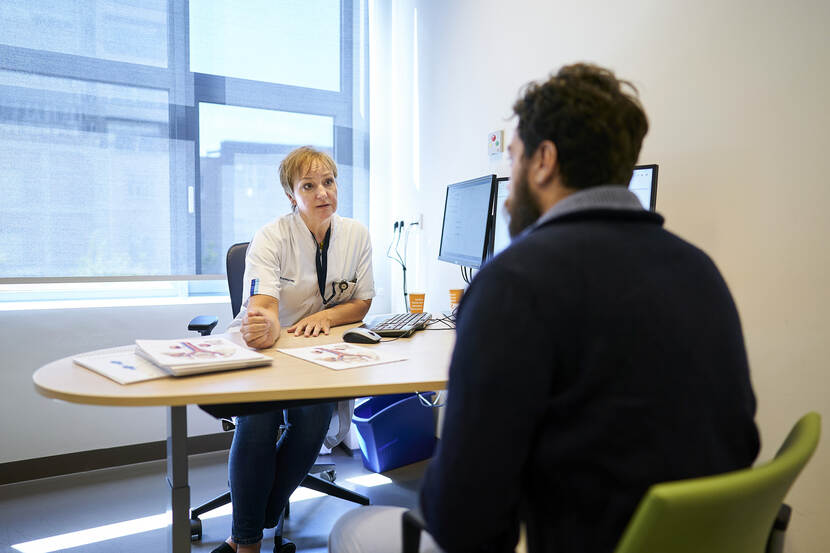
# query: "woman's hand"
260 328
322 321
313 325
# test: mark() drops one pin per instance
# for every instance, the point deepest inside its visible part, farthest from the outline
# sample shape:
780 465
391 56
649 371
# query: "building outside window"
140 139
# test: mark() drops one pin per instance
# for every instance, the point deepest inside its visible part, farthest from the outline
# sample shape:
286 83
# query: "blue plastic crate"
394 430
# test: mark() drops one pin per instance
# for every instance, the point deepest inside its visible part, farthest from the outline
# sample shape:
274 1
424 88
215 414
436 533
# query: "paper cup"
416 302
455 297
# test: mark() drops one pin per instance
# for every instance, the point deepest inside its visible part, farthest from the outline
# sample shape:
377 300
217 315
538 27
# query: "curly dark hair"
596 125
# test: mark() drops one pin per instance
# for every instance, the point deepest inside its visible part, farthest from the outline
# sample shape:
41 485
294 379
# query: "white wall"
393 179
34 426
736 95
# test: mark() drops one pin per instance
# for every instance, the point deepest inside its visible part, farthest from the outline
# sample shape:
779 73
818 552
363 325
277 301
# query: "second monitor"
643 184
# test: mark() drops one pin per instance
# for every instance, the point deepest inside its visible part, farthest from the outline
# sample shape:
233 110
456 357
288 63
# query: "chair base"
324 483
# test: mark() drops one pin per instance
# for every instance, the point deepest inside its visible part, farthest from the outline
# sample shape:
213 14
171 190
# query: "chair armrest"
413 523
775 541
203 324
782 520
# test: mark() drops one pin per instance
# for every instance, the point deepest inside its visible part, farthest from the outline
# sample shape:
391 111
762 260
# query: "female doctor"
305 272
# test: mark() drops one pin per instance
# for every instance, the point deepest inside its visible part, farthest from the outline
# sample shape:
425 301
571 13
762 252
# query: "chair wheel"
285 547
195 529
330 475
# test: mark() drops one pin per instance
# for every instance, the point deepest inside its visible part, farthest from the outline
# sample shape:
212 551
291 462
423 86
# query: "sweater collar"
606 197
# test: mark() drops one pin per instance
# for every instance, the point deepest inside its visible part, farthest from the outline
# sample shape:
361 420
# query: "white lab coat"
281 262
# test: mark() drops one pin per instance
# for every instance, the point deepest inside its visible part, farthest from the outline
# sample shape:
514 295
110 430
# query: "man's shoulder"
570 233
564 250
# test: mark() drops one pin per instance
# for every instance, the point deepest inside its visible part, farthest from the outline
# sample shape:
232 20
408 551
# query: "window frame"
186 90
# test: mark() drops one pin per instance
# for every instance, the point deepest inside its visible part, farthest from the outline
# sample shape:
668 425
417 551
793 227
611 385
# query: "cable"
448 322
394 247
397 232
394 232
405 248
427 403
401 260
406 240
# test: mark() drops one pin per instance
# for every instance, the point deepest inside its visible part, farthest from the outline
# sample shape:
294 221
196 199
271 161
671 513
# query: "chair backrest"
726 513
235 267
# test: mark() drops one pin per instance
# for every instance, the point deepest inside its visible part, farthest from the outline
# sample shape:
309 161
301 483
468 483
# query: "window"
239 151
302 41
142 138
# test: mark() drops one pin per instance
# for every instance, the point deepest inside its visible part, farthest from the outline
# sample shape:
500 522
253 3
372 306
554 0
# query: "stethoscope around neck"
336 287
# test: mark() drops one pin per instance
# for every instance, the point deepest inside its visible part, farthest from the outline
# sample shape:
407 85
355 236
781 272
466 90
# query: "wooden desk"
427 352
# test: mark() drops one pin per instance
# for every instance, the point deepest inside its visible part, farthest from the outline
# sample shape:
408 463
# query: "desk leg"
177 478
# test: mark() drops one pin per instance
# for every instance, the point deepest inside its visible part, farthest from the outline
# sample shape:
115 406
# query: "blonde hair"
298 162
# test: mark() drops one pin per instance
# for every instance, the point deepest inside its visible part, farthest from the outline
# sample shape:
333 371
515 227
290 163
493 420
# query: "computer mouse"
360 335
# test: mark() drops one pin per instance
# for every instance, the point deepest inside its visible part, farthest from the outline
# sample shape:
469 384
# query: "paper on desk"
122 365
341 355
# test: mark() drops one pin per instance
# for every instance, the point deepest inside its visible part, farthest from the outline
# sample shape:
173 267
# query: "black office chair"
204 325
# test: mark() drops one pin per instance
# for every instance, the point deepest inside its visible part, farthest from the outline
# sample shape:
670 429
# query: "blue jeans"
263 473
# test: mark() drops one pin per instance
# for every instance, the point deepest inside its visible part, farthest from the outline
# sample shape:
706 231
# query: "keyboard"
403 324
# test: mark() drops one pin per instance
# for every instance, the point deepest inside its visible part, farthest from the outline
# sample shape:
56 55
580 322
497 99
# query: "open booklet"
150 359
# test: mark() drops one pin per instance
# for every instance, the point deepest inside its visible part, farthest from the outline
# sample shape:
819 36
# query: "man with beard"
598 354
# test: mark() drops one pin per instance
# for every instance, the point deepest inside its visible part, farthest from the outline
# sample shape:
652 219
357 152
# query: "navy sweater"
599 354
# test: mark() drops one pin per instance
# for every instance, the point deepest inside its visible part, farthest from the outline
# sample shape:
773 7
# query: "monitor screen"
644 185
467 218
501 236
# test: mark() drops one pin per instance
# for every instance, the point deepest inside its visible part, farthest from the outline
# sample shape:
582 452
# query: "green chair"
726 513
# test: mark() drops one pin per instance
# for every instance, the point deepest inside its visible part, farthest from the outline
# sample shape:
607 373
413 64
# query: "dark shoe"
282 545
224 548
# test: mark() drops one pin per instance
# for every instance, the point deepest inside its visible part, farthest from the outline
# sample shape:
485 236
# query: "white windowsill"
110 302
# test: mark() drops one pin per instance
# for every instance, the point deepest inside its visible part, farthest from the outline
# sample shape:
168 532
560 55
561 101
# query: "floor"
137 495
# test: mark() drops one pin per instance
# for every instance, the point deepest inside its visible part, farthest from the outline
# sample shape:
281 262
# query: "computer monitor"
644 185
468 212
499 232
